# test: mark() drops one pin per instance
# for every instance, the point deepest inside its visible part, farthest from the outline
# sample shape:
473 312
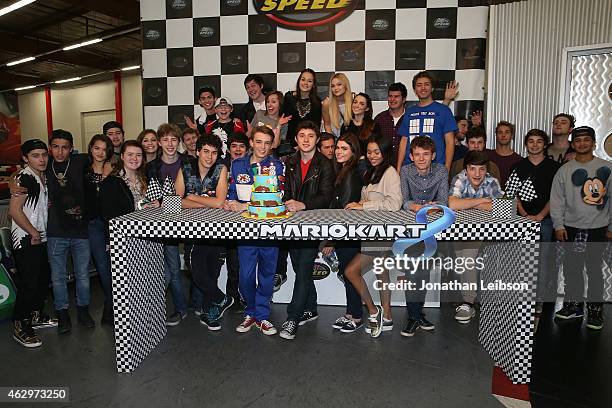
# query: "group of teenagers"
332 154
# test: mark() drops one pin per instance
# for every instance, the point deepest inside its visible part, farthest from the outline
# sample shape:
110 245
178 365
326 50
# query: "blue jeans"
58 249
97 243
172 272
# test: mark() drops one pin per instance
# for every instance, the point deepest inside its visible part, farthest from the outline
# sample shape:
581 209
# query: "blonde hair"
334 113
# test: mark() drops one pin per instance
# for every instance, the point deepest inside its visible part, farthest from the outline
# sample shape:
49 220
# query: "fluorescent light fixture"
21 61
15 6
83 44
61 81
23 88
130 68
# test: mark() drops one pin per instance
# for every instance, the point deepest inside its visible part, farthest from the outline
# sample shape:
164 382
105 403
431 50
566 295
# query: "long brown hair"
343 171
140 171
368 123
108 149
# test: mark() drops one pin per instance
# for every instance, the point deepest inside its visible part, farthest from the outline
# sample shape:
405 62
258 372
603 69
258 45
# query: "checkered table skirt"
506 323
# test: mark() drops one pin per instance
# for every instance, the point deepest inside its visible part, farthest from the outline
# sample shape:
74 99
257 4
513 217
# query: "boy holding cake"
257 262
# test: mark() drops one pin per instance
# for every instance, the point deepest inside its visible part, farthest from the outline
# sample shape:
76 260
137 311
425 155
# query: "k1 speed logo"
301 14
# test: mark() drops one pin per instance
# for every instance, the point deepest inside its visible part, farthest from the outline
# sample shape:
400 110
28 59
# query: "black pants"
304 292
34 276
281 262
233 271
575 261
206 265
345 254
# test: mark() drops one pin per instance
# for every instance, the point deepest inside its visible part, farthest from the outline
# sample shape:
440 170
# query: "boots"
595 316
25 335
570 310
84 318
64 325
107 315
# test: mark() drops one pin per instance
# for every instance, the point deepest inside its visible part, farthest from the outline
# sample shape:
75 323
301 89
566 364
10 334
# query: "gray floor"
320 368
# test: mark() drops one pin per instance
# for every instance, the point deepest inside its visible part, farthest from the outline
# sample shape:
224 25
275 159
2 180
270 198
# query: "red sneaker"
246 325
266 328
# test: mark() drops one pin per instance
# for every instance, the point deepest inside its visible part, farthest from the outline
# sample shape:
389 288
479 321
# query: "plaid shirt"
462 188
423 189
387 128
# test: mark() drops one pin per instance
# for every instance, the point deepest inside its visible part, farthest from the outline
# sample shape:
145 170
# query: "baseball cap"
32 144
223 100
110 125
583 131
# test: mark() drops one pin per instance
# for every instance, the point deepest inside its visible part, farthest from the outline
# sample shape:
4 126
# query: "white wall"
69 103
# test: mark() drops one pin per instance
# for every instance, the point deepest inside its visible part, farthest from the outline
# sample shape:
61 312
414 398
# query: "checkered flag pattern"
171 204
154 190
168 188
503 208
189 44
506 329
523 188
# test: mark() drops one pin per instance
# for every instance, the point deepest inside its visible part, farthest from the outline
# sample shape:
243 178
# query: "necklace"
303 107
61 177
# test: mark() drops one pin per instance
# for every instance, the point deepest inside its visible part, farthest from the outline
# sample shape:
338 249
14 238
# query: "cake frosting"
266 197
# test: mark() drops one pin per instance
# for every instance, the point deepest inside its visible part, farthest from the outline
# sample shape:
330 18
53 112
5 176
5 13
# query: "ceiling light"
15 6
83 44
21 61
23 88
61 81
130 68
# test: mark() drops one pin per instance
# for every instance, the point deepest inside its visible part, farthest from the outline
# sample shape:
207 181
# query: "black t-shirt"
541 177
67 218
202 125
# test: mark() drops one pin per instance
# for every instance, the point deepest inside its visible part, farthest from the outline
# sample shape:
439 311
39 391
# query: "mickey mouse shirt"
580 195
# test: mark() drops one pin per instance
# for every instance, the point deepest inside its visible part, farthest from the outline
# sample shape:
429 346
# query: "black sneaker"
570 310
289 329
308 316
411 327
225 304
25 335
340 322
425 324
64 325
84 318
42 320
208 320
108 317
352 326
595 316
279 280
175 319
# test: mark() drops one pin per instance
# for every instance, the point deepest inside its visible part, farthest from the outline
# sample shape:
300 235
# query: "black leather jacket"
318 187
348 191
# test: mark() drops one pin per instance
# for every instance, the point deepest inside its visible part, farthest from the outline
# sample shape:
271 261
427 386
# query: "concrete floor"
194 367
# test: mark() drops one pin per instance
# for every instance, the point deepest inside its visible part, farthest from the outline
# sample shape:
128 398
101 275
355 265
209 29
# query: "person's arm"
179 185
326 187
212 202
456 203
16 213
519 207
326 117
449 140
541 215
401 152
451 92
558 206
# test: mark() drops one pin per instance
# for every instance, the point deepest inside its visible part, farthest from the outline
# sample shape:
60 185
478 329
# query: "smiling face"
132 158
116 136
98 151
374 154
583 144
423 88
223 111
422 158
237 150
476 174
306 140
395 99
306 82
207 156
169 144
189 140
60 149
253 90
272 105
37 159
337 87
535 145
150 143
206 100
360 105
343 152
262 145
327 148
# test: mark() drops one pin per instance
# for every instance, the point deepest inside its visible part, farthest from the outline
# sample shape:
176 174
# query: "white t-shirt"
35 208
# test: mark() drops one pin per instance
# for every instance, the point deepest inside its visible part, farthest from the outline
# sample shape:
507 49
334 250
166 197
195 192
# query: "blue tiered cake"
266 197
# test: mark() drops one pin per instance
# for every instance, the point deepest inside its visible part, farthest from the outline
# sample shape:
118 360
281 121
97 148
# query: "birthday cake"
266 198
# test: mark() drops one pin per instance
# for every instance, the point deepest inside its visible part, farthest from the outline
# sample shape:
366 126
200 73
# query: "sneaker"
225 304
84 318
595 316
246 324
198 311
266 328
340 322
308 316
411 327
41 320
289 329
375 322
570 310
25 335
464 313
176 318
387 325
351 326
279 280
208 319
425 324
64 325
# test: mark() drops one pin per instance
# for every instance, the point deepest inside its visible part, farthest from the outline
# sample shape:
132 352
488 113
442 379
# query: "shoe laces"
264 324
289 325
213 313
464 307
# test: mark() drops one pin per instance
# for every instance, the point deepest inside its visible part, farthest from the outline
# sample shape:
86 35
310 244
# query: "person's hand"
295 206
609 235
354 206
15 188
476 118
327 250
569 156
190 124
35 239
536 218
451 91
415 207
152 204
561 235
283 120
235 206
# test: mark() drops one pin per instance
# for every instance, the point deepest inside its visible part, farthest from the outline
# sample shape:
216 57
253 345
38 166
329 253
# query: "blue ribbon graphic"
427 236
